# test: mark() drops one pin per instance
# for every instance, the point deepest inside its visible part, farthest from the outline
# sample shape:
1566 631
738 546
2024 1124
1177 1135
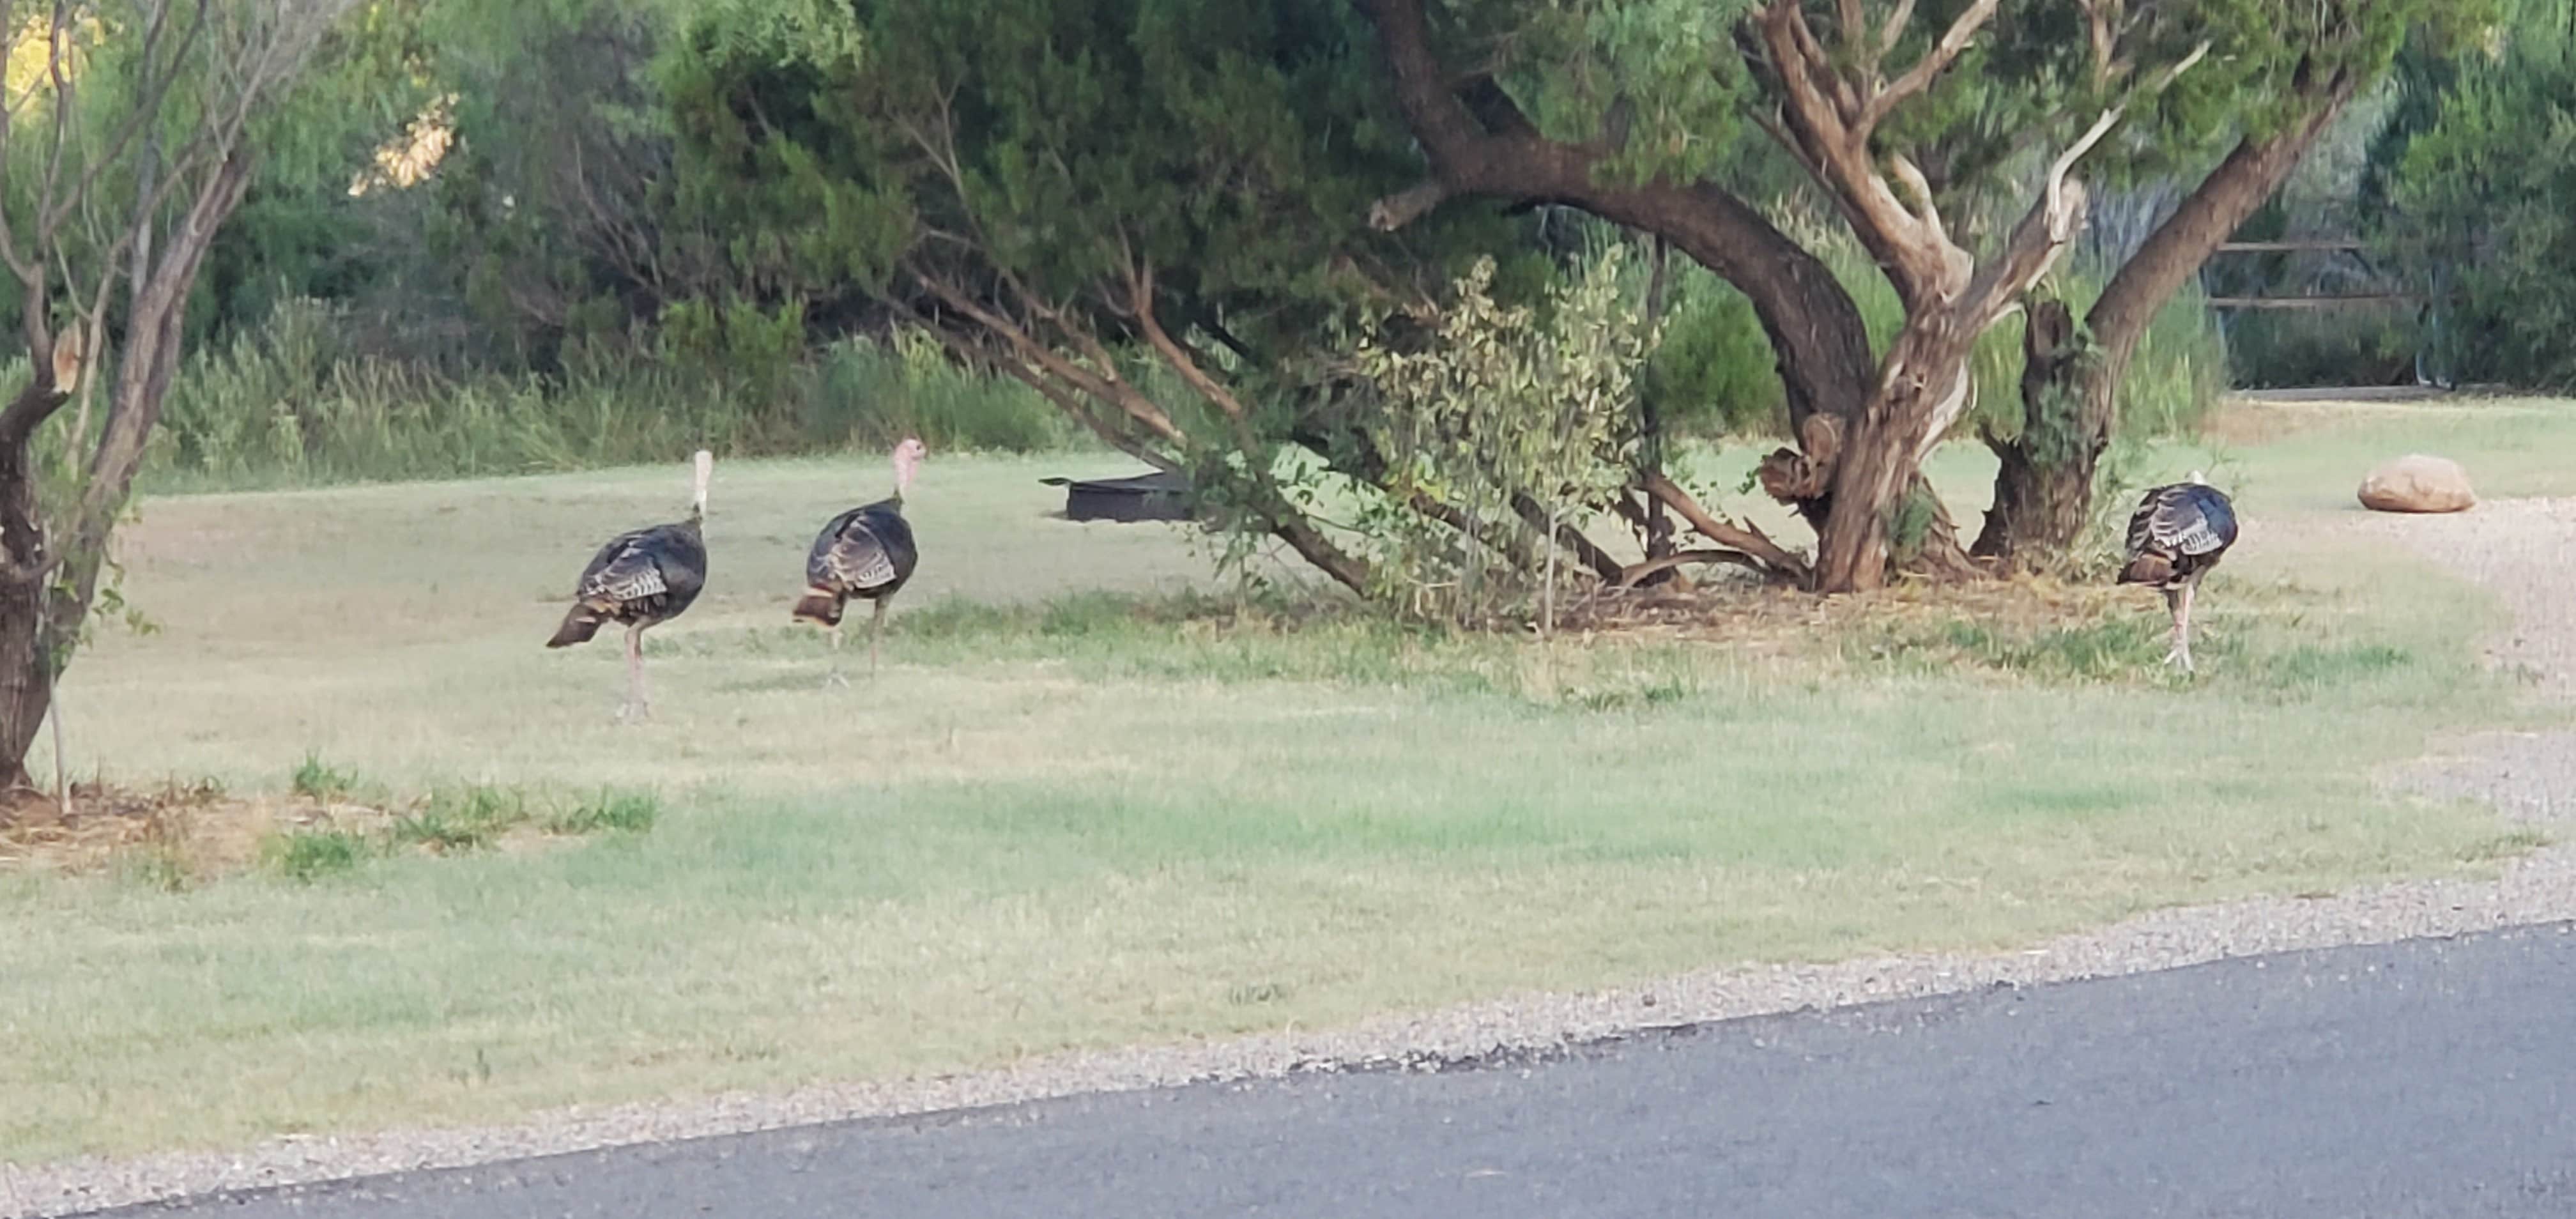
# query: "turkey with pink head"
867 553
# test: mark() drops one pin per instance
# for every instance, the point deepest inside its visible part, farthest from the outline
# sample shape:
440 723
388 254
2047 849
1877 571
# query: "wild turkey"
865 552
2178 534
641 578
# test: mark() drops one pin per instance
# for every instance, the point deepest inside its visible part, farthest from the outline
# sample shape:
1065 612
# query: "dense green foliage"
2475 210
661 224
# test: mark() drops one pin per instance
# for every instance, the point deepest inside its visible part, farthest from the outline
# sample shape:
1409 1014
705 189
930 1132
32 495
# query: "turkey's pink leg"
876 627
638 706
2173 610
834 677
2182 625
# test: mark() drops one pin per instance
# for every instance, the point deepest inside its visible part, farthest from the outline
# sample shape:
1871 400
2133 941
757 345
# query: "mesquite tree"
121 165
1616 106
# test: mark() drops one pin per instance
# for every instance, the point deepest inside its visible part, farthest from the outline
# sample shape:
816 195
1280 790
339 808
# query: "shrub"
310 855
320 781
2479 221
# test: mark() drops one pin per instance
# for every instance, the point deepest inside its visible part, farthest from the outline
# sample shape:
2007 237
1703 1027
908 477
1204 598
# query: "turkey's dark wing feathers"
2185 519
866 551
623 571
656 571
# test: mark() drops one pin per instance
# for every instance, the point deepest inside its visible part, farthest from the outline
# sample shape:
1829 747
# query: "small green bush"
625 812
463 820
309 855
316 780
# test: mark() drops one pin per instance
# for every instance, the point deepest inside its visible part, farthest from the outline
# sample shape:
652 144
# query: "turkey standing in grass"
2178 534
640 578
865 552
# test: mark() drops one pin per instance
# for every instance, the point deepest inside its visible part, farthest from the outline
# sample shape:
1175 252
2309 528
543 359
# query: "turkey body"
640 578
2177 535
865 553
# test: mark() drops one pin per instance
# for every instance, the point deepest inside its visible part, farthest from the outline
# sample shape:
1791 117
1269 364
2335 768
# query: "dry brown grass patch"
178 832
1772 620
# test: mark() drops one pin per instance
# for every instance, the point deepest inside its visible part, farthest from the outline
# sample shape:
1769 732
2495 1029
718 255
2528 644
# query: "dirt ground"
2524 551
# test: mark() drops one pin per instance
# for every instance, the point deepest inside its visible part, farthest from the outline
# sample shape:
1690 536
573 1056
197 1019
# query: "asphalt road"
2433 1078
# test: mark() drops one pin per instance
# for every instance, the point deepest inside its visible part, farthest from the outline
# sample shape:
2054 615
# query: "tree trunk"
31 637
1656 529
29 634
25 691
1878 468
2044 479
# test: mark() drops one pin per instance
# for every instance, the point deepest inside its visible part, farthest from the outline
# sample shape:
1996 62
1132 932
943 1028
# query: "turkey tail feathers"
579 624
819 607
2148 568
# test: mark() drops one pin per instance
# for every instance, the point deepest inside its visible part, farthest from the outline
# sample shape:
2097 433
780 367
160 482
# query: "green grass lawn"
1077 809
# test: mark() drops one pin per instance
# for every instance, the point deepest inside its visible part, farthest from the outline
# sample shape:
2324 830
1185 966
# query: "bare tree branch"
1935 61
1746 538
1894 32
1137 406
156 84
1630 575
1406 206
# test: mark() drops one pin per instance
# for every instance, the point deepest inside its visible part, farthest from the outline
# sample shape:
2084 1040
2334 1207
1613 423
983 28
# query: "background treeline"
480 246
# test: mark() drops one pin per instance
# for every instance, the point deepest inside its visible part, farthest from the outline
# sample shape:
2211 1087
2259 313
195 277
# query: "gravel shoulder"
2524 551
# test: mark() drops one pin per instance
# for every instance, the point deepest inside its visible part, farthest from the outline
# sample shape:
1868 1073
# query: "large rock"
2418 482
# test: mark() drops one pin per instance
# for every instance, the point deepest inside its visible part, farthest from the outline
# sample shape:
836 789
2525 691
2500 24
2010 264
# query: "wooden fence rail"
2316 245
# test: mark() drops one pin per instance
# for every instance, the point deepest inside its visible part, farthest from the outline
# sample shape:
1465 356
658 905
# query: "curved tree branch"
1953 41
1746 538
1481 144
1630 576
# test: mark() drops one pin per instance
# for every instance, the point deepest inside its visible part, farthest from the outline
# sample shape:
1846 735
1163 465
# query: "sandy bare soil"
2524 550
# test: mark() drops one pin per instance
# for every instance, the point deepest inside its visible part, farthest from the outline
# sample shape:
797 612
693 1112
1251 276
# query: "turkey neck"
902 480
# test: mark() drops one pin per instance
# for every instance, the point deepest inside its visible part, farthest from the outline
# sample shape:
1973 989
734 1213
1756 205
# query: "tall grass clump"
623 811
876 393
465 819
294 401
